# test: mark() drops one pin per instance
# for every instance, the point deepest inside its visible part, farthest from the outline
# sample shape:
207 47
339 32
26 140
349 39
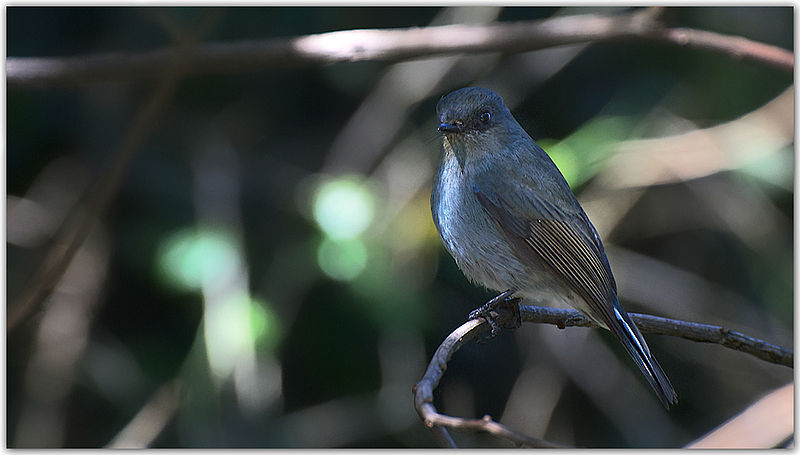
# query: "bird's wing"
560 238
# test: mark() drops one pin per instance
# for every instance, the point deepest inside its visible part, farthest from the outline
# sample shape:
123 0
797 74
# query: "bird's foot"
502 312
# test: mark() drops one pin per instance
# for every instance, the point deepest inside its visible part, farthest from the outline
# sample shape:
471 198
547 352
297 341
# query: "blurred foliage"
295 297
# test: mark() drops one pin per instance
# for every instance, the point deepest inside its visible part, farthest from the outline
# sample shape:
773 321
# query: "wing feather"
562 240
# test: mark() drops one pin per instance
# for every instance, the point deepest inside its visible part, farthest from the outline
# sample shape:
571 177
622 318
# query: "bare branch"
423 390
695 331
733 46
765 424
423 394
388 45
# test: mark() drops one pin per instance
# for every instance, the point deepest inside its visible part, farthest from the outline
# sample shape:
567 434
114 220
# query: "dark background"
218 288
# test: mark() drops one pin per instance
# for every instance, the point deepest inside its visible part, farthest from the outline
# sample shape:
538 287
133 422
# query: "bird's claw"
502 312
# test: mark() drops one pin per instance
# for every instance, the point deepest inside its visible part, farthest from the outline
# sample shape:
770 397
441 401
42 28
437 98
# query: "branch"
423 390
85 214
765 424
423 395
151 419
703 151
733 46
388 45
694 331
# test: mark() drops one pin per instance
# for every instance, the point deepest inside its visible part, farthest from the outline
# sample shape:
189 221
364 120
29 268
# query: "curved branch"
423 394
423 390
388 45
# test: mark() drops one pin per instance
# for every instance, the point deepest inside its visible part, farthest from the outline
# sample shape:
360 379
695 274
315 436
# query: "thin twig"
388 45
423 390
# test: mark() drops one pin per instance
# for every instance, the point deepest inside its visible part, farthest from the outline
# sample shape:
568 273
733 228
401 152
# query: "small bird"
510 221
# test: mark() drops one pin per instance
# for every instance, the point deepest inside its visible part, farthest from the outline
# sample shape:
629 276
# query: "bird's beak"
445 127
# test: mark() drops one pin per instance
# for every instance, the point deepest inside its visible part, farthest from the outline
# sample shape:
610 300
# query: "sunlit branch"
733 46
423 390
703 151
389 45
768 423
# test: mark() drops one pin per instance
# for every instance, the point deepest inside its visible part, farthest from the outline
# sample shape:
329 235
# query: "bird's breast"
468 234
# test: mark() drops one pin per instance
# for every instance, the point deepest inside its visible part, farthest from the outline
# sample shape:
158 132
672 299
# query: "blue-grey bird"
510 221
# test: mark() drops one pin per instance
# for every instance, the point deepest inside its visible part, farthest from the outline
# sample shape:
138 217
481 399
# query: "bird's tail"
627 332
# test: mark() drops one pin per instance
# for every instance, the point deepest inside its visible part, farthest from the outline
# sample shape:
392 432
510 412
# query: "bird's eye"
485 117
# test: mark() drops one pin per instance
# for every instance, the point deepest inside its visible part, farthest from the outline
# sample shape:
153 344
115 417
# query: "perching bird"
510 221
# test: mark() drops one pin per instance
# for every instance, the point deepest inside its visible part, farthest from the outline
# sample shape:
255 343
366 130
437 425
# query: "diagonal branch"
423 390
151 419
389 45
99 195
734 46
94 202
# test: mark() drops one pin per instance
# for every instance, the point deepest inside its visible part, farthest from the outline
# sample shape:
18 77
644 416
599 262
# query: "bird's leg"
500 312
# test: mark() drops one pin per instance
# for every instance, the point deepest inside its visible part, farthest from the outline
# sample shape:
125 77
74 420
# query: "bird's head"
470 110
474 121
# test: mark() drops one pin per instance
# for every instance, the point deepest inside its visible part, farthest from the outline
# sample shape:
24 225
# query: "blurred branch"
389 45
98 196
423 390
150 421
384 111
763 425
733 46
53 364
671 291
703 151
84 215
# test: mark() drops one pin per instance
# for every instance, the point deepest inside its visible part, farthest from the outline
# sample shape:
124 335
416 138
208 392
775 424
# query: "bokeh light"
264 323
343 208
342 259
233 326
190 258
582 154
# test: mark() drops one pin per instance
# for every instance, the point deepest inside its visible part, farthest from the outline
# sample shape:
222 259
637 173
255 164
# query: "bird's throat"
452 150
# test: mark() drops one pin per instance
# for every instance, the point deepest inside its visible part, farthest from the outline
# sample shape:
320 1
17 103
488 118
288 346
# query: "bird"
510 221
